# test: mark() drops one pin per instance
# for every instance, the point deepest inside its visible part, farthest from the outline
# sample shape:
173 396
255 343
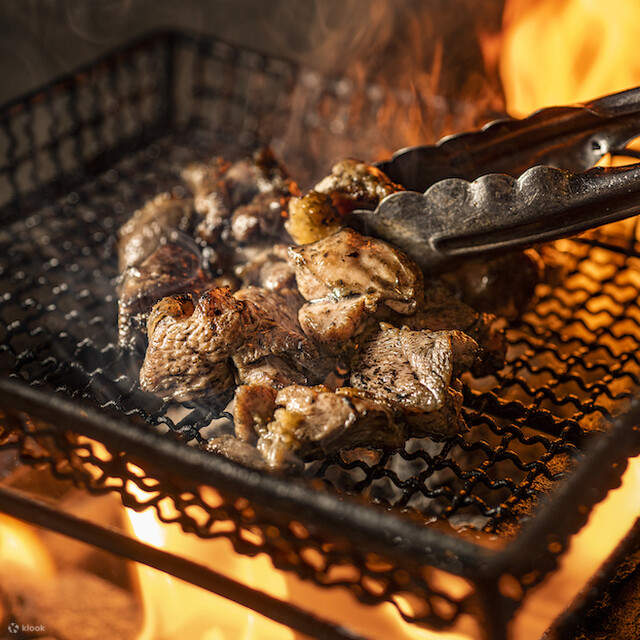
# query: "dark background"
388 39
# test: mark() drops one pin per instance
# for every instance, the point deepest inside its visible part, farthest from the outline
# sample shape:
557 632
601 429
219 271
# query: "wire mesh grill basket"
79 156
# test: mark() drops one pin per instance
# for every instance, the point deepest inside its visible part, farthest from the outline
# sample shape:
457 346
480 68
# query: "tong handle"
457 219
572 137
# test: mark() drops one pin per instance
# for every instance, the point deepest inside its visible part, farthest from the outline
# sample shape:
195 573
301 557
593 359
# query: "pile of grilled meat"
330 338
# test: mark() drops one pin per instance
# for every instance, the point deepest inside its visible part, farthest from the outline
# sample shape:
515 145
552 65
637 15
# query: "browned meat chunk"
351 185
312 217
404 385
142 234
259 186
354 184
348 278
190 345
172 268
504 285
413 372
263 217
277 352
442 311
312 419
269 269
191 352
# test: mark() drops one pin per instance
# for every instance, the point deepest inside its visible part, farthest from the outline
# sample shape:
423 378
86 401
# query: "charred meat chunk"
347 278
143 233
351 185
310 419
277 352
172 268
256 189
190 345
414 372
199 350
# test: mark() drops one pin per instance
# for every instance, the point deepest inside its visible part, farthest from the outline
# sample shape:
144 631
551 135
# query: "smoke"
97 21
407 72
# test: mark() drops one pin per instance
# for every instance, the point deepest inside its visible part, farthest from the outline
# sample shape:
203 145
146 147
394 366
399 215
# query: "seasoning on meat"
142 234
347 278
413 372
351 185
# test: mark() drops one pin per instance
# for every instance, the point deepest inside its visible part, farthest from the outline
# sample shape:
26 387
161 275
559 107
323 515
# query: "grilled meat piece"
354 184
192 351
190 344
269 269
263 217
348 278
504 285
172 268
212 197
441 310
142 234
404 384
351 185
312 217
277 352
220 188
309 419
413 372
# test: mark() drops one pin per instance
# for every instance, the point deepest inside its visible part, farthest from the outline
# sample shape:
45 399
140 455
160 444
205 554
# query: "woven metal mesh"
572 361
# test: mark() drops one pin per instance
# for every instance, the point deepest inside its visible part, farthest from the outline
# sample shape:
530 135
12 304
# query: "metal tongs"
512 184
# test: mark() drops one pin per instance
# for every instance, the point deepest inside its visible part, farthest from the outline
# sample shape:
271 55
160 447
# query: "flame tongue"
565 51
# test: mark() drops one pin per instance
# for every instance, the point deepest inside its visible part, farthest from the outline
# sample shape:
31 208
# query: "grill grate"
79 156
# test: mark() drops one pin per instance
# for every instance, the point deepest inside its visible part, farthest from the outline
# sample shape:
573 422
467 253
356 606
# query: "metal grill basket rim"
369 527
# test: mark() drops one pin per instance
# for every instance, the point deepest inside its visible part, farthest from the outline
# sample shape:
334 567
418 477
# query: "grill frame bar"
379 531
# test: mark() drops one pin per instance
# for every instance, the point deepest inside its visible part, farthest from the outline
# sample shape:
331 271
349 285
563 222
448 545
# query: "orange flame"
558 52
176 609
564 51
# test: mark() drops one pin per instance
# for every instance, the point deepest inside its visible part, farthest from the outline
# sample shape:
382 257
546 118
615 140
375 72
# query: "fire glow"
548 54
